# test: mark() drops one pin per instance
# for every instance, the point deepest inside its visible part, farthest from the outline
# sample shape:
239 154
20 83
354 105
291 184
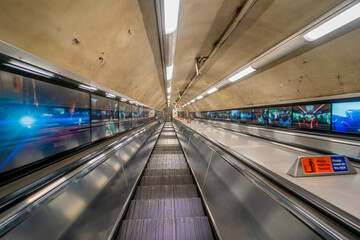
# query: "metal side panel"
330 144
90 207
238 207
241 209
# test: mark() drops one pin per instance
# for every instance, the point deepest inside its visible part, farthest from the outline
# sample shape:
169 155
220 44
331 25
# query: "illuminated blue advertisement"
346 117
39 119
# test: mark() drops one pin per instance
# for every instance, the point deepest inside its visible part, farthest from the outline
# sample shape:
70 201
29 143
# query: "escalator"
166 204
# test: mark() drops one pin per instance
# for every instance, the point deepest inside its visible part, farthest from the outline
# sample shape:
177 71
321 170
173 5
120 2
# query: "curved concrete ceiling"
116 43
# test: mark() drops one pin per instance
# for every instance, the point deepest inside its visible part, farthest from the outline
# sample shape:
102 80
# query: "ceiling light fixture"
193 100
169 89
214 89
123 99
110 95
241 74
28 68
169 97
90 88
169 72
200 97
336 22
171 15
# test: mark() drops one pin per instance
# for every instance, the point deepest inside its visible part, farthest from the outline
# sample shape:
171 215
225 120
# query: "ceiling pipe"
200 63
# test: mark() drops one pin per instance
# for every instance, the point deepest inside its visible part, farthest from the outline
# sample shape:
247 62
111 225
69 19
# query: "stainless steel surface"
331 144
86 203
166 204
335 195
242 203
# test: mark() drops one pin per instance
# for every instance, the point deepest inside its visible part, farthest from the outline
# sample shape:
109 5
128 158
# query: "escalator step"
166 172
166 191
167 165
167 156
165 208
161 229
159 160
166 180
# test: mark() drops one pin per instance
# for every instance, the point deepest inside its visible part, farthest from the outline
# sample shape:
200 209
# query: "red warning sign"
316 165
188 121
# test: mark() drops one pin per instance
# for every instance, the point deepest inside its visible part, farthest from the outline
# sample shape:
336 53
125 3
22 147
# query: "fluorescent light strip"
241 74
214 89
169 97
28 68
338 21
169 89
110 95
90 88
193 100
199 97
123 99
171 15
169 72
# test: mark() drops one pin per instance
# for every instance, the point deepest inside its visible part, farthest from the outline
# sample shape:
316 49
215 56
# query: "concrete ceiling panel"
104 41
328 69
116 44
267 23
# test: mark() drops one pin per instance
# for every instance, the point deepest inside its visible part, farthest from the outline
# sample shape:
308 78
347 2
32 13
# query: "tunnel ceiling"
116 43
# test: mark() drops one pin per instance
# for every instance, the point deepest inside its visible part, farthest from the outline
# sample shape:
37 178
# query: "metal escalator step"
159 160
166 172
167 151
167 156
167 165
166 191
163 229
165 208
166 180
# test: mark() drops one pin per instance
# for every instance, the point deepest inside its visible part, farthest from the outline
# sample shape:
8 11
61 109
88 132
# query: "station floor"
341 191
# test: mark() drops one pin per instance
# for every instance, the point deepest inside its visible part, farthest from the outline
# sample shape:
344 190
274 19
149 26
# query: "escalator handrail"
346 220
47 188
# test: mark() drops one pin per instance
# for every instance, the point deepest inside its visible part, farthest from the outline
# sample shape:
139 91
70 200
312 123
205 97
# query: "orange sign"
317 165
188 121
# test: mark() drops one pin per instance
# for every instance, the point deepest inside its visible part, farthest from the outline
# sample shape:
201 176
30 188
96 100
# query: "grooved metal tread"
166 180
166 172
159 160
167 166
167 156
188 228
165 208
166 191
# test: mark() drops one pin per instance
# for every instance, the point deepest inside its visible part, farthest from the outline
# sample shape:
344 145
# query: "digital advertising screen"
220 115
245 115
235 115
259 116
280 116
346 117
105 117
316 117
227 115
39 119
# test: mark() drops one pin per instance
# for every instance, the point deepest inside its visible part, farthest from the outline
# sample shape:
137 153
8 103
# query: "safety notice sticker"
339 164
316 165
